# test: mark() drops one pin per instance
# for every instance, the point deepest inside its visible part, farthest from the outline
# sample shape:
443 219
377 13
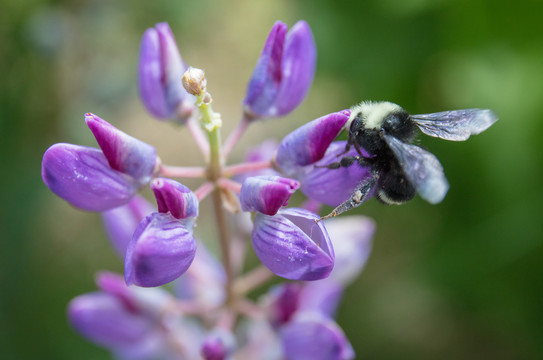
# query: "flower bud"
175 198
121 222
292 245
82 176
331 186
283 73
218 345
308 144
284 302
314 337
160 71
194 81
266 194
123 152
160 251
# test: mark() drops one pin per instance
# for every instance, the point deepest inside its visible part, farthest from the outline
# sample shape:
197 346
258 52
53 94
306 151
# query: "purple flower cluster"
159 246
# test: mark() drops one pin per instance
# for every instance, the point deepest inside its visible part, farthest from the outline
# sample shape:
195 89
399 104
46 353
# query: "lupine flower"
292 245
266 194
82 176
124 320
284 72
99 180
123 152
308 143
313 336
121 222
160 71
160 251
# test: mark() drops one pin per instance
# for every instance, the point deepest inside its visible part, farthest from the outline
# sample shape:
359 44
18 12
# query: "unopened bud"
194 81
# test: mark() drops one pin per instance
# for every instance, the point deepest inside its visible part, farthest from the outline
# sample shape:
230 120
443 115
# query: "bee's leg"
345 161
360 195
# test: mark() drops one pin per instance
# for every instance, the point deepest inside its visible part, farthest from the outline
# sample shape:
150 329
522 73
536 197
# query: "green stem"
212 124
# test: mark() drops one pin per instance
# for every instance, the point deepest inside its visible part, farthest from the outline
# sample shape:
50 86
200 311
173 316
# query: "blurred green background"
459 280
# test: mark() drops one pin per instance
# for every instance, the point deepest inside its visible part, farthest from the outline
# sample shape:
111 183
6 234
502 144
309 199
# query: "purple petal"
331 186
104 319
307 144
121 222
123 152
160 251
352 240
297 68
175 198
292 245
82 176
314 337
266 194
266 78
160 71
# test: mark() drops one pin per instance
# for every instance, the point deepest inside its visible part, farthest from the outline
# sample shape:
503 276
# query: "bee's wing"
421 168
455 125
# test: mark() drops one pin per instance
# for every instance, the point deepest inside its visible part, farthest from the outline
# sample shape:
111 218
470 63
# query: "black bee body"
383 133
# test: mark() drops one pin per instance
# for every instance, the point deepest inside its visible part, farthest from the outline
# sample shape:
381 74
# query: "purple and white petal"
82 176
160 71
160 251
283 73
307 144
293 245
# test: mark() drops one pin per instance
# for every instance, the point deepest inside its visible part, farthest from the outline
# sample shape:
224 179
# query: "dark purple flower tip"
175 198
266 194
292 245
352 239
331 186
314 337
160 71
307 144
160 251
104 319
123 152
82 176
121 222
218 345
283 73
